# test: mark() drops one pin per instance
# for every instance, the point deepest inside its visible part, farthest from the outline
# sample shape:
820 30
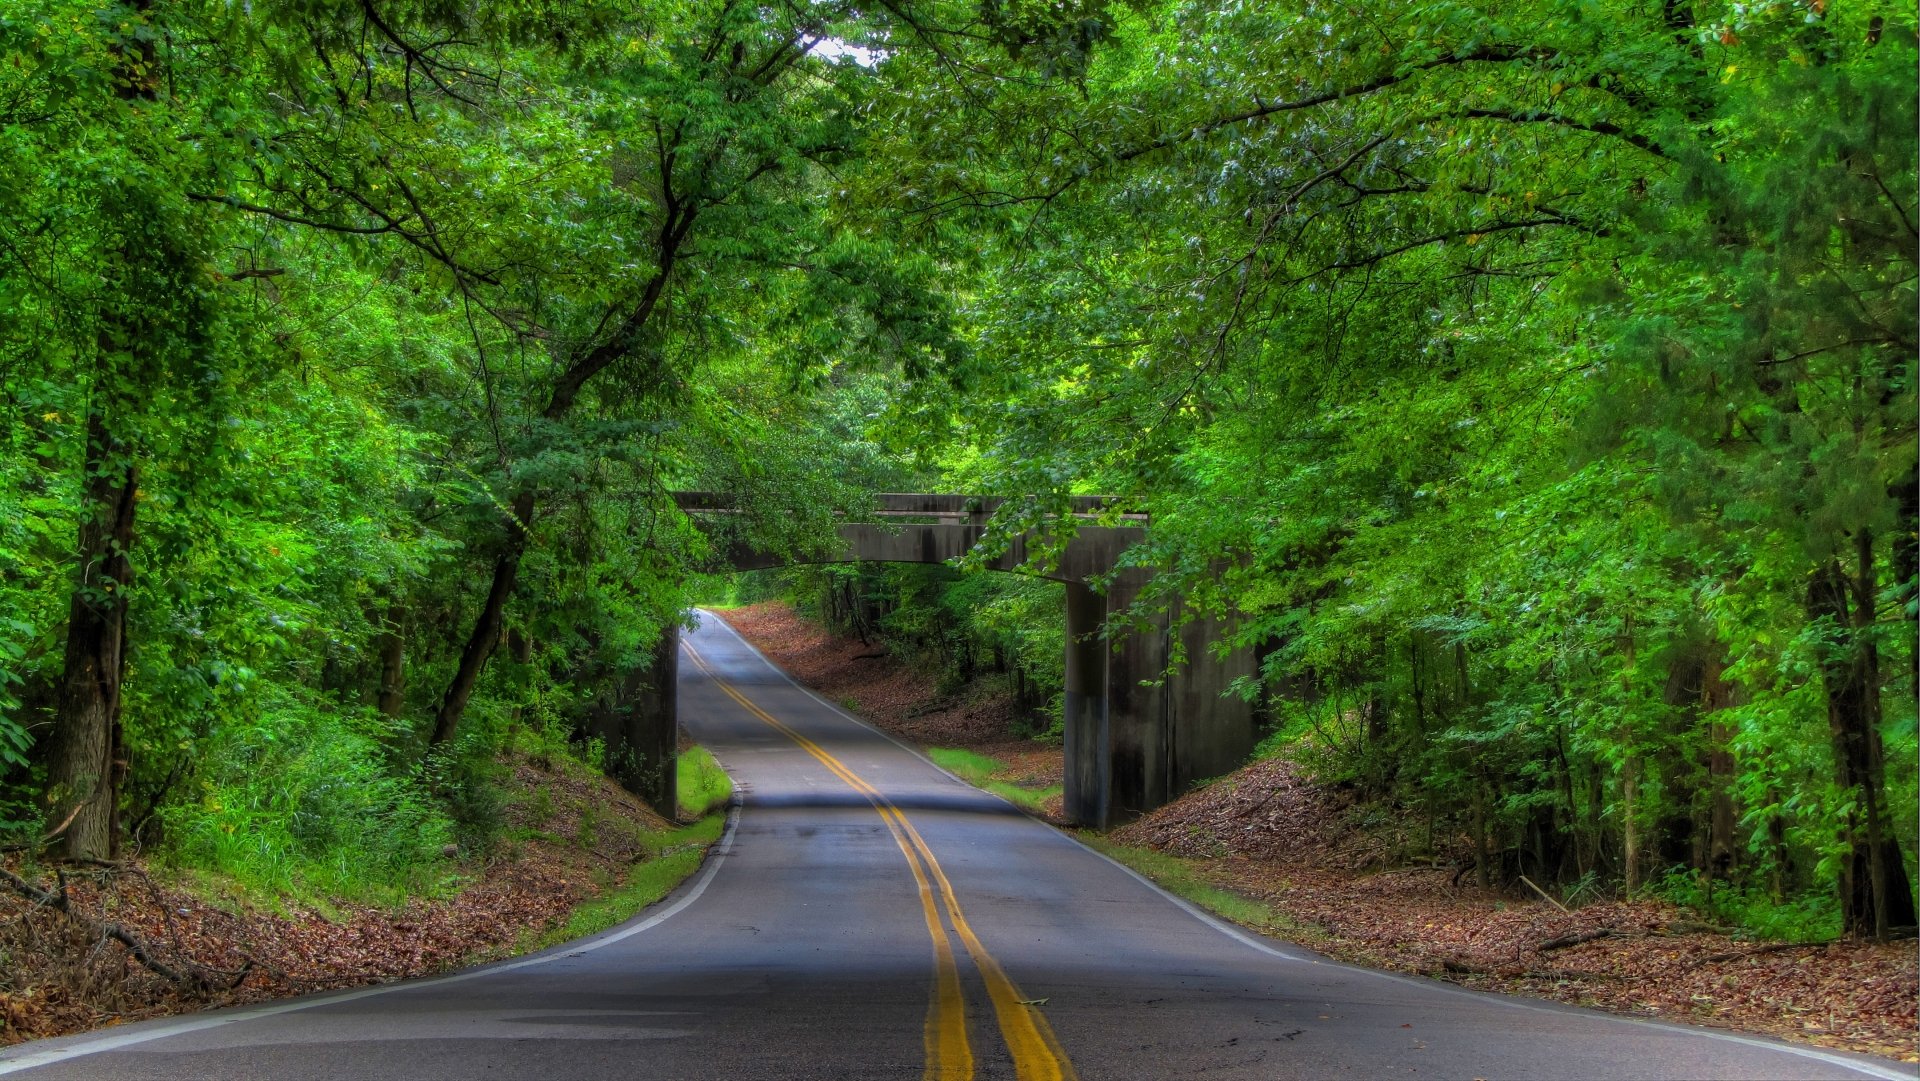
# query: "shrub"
301 800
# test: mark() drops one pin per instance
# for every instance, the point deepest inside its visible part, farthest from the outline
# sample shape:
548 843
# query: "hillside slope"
569 838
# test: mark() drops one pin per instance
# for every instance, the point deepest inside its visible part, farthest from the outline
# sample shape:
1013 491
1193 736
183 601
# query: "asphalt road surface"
868 916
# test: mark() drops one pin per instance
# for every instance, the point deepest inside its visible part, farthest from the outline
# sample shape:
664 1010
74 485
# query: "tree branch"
295 219
1488 53
1540 116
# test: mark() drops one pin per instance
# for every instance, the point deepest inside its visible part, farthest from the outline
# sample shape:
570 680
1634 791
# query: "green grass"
674 855
979 771
1179 877
700 784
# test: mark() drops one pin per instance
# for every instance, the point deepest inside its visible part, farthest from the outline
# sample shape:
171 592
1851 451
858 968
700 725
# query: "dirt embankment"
569 836
1320 862
1268 833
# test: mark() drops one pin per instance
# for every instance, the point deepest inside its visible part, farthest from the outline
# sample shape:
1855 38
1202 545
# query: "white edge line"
1234 932
1245 938
716 856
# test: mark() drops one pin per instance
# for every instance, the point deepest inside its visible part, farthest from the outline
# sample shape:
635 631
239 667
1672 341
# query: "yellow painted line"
1037 1054
949 1055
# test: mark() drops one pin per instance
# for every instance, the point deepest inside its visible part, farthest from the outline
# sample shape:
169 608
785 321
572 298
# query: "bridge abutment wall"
1136 735
638 718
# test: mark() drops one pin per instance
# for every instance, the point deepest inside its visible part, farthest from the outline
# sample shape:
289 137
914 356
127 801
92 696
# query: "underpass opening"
1135 735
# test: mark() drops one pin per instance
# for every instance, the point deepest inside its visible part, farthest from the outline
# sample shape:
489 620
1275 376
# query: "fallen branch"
1565 941
105 930
1545 895
1679 928
1418 867
1775 947
64 823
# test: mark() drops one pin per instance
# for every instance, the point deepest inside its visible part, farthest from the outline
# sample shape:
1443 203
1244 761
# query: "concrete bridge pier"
1089 761
1115 716
639 720
1138 735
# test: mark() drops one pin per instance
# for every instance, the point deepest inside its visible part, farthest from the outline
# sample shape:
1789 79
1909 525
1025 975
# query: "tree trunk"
1631 841
1482 851
80 759
392 697
1630 838
486 629
1875 894
1419 685
85 756
1716 696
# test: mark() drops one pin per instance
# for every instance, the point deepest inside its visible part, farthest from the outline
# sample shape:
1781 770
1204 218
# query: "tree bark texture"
391 699
80 760
1875 893
486 627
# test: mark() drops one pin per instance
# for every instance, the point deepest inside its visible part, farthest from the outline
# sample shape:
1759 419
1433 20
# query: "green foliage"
701 786
370 310
302 802
1514 374
1811 917
469 781
1533 383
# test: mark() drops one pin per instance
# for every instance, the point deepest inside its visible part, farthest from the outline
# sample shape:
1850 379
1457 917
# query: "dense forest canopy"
1532 383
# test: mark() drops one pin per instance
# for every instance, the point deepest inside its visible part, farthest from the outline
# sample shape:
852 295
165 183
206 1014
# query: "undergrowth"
303 803
1755 911
700 784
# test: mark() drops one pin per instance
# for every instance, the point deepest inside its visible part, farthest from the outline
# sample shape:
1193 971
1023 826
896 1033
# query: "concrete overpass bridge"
1134 741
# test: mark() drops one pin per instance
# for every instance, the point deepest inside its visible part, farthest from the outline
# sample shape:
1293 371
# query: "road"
868 916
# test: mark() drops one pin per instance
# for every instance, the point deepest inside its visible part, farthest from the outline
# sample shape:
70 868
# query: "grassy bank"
680 854
1184 878
670 856
702 786
987 772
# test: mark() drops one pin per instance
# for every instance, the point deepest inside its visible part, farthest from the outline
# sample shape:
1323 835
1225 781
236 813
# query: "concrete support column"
1215 730
1139 737
1084 709
640 723
653 727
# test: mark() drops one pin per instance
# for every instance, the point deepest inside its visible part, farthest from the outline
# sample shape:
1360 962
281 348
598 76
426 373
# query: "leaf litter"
58 977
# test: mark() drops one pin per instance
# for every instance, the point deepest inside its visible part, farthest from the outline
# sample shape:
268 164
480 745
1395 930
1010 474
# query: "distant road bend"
868 916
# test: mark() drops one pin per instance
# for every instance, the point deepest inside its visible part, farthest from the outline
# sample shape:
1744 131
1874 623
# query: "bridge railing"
945 509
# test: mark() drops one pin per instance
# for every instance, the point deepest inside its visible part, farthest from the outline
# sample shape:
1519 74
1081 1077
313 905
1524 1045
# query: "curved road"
869 916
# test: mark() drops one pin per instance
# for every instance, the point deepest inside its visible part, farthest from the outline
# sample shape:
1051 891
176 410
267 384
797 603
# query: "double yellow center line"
1036 1052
